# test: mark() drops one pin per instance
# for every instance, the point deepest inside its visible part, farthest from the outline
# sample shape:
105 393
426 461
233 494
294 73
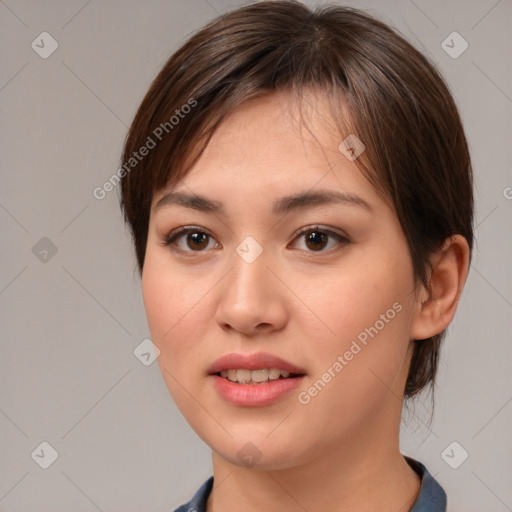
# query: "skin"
341 450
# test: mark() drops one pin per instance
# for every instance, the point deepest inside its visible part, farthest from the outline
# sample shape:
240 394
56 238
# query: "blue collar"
431 497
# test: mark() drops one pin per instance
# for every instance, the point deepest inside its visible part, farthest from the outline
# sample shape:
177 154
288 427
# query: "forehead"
267 145
274 125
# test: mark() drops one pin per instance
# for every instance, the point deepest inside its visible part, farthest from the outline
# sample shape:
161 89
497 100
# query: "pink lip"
255 395
255 361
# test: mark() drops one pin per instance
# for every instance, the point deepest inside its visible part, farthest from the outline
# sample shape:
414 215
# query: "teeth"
259 375
244 376
274 373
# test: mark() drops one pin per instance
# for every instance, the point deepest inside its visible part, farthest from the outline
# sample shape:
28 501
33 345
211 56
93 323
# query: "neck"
363 475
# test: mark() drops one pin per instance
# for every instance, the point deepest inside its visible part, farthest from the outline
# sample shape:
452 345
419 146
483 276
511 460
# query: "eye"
196 240
316 238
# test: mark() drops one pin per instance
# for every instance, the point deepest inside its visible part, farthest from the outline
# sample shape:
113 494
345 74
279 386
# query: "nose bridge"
249 275
248 298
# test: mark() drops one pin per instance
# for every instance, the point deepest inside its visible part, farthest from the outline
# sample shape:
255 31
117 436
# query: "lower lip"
255 395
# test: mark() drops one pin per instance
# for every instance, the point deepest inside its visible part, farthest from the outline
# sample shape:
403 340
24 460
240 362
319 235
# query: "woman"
299 190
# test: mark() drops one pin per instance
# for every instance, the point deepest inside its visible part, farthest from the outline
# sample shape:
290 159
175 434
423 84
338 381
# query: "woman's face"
293 262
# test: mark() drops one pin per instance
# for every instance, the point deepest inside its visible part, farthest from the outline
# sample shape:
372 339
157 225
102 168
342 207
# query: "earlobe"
450 265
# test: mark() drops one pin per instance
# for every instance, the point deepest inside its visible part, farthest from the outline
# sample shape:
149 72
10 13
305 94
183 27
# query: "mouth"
254 368
255 388
254 380
261 376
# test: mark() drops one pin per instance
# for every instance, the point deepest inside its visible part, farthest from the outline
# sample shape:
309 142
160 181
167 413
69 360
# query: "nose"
252 300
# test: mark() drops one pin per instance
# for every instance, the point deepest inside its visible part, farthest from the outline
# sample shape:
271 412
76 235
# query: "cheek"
172 307
361 295
172 302
366 315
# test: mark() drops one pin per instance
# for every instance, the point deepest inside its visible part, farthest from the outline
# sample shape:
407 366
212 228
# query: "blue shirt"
431 497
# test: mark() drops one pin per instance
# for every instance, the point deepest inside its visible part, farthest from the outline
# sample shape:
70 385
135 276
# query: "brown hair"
392 96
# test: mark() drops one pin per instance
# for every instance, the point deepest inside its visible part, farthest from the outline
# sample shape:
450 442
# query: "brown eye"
316 240
196 239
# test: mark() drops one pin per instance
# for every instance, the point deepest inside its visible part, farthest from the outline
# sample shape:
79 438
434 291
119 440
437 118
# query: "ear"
435 310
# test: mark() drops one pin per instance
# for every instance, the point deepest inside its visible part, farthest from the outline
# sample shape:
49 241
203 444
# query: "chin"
257 452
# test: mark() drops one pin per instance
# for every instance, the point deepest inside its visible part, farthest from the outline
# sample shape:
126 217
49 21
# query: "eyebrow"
281 206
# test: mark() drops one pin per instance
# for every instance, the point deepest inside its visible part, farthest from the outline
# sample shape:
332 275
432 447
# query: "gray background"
71 322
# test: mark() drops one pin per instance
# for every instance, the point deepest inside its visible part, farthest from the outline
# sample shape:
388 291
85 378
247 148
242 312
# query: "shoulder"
198 501
431 497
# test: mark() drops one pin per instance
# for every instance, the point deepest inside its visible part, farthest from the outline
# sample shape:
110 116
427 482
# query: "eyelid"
342 240
170 239
186 229
317 227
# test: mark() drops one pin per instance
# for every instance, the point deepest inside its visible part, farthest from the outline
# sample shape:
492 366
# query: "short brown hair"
392 96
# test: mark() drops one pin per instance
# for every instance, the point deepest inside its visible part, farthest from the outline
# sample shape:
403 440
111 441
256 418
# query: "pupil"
196 238
318 239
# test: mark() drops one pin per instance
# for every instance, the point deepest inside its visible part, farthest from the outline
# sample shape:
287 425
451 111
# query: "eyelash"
174 236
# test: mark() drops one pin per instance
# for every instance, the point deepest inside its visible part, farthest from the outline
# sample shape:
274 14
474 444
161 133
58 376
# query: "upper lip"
255 361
